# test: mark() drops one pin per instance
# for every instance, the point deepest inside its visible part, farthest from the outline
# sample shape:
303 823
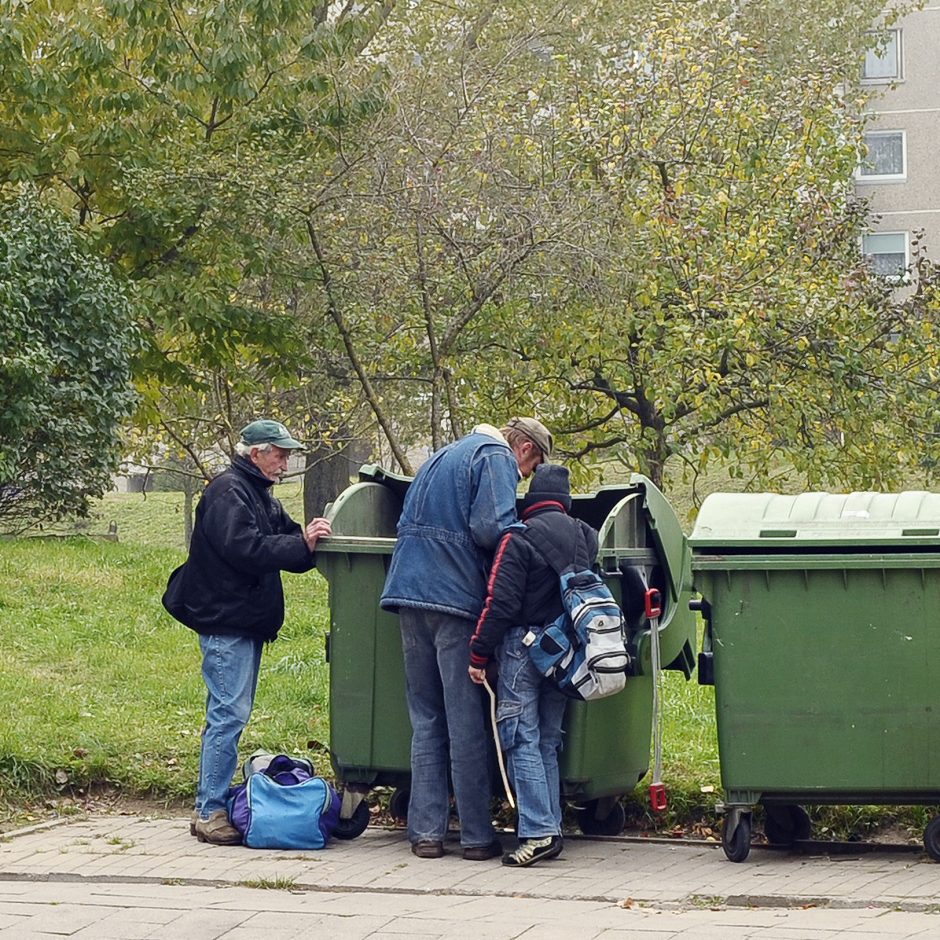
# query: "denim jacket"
455 510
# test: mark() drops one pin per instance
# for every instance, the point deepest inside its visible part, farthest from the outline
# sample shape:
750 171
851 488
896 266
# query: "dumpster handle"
654 607
499 750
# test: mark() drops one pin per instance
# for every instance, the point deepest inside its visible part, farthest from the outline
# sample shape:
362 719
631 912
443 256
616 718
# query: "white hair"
244 450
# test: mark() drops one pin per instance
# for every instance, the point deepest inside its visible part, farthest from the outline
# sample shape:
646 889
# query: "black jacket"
523 589
242 540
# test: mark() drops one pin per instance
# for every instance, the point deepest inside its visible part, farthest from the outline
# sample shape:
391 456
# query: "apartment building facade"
901 174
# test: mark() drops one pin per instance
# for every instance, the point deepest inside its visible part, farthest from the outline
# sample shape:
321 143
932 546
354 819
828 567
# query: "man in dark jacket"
229 591
522 593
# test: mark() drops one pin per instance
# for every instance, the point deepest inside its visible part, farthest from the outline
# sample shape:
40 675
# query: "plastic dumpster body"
823 639
607 742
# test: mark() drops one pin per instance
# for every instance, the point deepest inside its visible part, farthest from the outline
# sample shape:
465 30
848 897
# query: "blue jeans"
230 666
529 716
447 721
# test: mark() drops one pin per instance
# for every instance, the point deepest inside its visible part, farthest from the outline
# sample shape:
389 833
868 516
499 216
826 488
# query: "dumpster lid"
666 531
810 520
373 473
595 509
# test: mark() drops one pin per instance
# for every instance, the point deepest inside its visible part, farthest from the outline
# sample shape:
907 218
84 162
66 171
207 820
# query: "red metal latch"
658 797
654 603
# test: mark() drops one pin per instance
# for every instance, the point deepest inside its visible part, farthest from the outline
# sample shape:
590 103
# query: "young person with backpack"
522 593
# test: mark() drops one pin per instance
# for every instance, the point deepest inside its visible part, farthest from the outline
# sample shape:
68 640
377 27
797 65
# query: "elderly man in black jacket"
523 593
229 591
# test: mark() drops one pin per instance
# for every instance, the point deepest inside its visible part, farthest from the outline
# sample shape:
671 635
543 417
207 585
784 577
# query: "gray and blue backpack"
584 650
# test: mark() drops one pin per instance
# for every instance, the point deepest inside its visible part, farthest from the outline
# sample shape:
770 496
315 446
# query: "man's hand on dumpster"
316 529
477 675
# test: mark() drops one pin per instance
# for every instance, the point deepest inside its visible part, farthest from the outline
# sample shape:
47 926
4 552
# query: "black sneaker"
531 851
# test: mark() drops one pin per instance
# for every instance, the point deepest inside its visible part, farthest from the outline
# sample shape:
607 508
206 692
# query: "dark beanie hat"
550 481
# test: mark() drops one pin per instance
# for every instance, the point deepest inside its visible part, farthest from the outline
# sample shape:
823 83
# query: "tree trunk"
329 471
187 516
654 458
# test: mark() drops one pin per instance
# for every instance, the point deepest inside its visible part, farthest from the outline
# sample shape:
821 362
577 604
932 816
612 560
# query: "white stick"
499 750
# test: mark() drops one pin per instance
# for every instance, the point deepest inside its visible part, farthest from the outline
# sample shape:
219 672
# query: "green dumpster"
607 743
823 642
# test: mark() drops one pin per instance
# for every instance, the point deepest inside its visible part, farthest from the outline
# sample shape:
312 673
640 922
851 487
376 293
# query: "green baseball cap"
266 431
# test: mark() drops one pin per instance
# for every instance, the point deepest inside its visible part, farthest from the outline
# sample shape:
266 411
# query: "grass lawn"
102 688
101 685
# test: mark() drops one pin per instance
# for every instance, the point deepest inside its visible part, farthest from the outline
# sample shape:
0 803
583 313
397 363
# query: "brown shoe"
482 853
217 829
192 823
428 848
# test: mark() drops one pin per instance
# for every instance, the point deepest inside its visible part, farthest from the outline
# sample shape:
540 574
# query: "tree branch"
346 336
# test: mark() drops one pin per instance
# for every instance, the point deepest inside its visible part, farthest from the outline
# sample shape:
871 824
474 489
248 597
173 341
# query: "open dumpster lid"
810 520
665 529
594 508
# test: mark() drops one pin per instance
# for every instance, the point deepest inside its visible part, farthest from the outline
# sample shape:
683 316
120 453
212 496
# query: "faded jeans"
448 729
230 666
529 716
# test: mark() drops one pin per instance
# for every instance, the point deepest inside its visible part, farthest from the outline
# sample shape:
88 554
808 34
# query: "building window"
887 253
885 158
883 64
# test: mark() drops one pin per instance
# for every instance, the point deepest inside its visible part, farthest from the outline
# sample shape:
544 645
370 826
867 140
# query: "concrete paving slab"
140 878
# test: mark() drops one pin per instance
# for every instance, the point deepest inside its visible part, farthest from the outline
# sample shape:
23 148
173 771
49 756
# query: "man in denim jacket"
455 510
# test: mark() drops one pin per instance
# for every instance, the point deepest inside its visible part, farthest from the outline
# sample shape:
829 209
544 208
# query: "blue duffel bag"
284 806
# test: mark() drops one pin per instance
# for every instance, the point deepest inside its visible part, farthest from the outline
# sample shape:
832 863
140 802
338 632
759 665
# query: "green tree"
709 300
634 219
161 129
67 337
435 218
638 222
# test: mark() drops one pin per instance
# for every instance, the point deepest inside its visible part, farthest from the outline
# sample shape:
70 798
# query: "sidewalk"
137 877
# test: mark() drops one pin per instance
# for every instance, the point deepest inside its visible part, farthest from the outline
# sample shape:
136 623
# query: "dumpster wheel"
356 824
932 838
610 825
398 803
786 823
736 835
